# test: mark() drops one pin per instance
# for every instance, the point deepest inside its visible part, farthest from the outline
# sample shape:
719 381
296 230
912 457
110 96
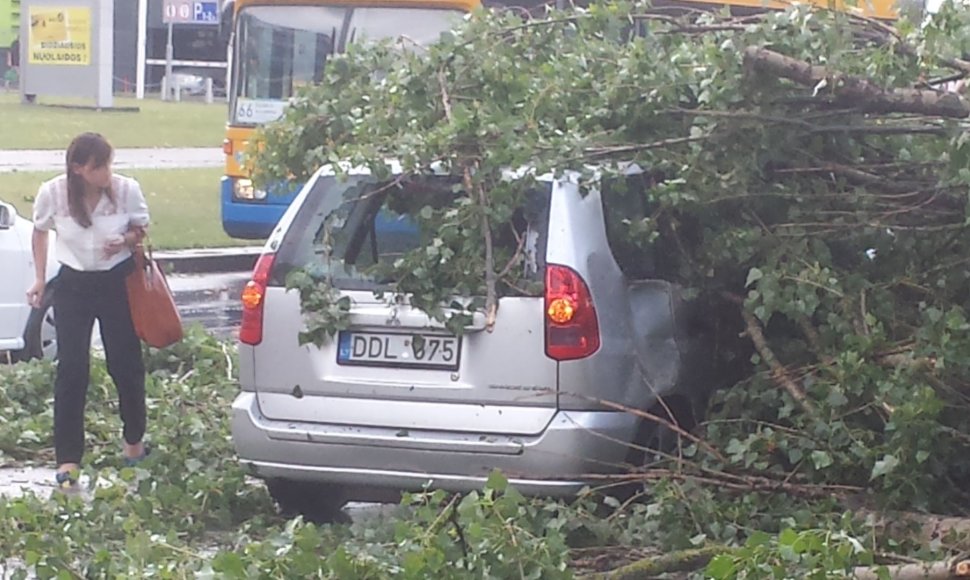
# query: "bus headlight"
243 189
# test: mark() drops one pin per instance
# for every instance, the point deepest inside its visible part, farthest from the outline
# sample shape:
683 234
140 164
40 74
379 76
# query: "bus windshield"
282 48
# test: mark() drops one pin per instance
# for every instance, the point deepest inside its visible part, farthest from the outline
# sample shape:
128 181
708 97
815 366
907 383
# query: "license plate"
421 351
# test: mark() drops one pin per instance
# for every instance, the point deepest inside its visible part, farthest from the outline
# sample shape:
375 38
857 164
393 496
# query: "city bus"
277 46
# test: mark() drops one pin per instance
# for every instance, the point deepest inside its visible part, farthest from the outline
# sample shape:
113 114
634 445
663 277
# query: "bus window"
419 26
281 48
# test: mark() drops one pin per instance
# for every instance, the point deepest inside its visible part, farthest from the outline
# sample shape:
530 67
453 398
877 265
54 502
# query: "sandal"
66 480
133 461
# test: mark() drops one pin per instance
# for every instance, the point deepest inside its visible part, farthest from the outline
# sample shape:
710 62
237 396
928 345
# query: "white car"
25 332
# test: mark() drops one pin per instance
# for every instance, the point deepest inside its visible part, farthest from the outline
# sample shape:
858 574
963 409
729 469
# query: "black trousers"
79 299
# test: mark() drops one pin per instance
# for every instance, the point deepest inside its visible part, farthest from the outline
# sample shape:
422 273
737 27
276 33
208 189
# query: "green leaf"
721 567
821 459
884 466
497 481
230 564
757 539
754 274
788 537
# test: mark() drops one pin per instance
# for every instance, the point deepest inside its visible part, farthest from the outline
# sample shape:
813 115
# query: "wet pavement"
15 480
148 158
212 300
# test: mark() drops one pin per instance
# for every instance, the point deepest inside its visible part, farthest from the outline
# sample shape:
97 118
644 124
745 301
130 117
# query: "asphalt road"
212 300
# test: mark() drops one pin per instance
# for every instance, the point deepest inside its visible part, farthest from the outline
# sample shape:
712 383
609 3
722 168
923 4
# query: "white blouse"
84 248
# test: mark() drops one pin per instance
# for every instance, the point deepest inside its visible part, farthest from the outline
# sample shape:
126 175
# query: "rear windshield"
352 229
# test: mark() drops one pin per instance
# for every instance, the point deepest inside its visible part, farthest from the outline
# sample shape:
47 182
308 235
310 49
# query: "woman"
99 218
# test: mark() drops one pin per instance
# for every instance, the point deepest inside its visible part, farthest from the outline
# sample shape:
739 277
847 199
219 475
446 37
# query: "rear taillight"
227 146
253 298
572 330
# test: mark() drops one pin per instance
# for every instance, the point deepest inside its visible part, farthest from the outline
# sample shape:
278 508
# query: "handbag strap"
146 242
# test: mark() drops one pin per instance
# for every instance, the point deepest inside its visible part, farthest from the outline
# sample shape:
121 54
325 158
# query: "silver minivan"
396 402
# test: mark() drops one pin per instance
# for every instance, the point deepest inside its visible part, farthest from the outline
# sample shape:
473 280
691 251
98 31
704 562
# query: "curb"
209 260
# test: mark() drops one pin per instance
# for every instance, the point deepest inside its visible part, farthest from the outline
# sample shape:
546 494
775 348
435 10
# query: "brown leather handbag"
153 311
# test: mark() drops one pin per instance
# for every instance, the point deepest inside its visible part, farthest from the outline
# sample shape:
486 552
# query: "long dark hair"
84 149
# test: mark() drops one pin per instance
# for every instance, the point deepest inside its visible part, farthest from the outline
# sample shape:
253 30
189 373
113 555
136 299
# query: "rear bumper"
13 321
11 344
553 463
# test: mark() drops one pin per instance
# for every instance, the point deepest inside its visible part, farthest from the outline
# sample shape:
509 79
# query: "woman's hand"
115 244
135 235
35 295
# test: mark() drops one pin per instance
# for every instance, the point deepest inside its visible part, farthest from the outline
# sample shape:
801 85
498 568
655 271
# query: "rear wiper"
372 204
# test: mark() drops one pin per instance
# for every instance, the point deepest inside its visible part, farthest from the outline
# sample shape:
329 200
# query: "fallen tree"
696 559
809 183
858 93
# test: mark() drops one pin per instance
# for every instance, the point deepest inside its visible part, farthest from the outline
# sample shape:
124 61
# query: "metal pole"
105 64
140 48
229 53
169 55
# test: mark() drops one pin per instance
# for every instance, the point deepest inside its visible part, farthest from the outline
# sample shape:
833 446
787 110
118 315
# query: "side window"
525 235
627 213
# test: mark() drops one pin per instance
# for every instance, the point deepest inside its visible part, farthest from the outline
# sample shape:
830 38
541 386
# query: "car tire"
40 334
317 503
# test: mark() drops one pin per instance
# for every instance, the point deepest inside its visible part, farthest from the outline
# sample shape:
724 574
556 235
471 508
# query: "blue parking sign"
205 12
190 12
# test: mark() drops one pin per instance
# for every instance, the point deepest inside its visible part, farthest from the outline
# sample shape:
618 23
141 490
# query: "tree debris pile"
810 173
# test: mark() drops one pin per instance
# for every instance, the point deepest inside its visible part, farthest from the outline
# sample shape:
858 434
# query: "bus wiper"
344 27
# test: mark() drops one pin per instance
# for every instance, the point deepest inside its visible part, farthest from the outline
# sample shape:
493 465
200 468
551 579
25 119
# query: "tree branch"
908 49
858 92
681 561
619 149
885 130
672 425
944 570
778 372
491 295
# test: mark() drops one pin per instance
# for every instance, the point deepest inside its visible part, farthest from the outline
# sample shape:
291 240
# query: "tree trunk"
693 560
929 571
924 528
682 561
855 91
